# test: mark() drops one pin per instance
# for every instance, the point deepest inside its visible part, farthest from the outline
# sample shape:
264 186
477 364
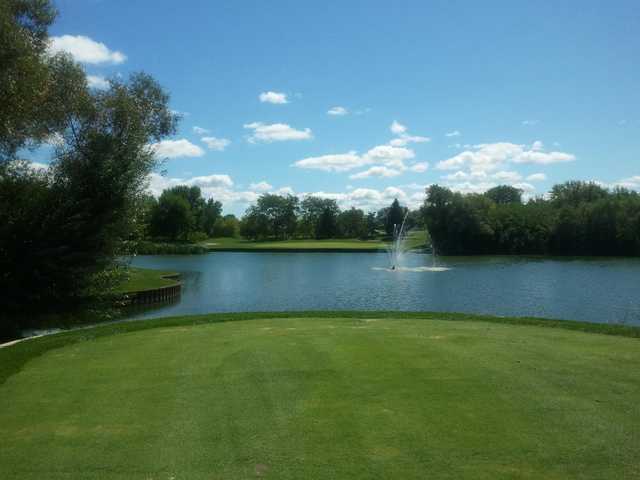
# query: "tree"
573 193
172 217
254 224
352 223
311 210
86 201
395 216
211 212
34 95
280 213
372 225
228 226
504 194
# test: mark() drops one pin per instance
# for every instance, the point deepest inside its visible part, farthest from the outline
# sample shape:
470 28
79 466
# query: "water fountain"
397 248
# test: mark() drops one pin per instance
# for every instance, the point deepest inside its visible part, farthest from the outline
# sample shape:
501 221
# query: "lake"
594 290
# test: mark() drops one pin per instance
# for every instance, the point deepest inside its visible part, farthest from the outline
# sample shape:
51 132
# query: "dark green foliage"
580 218
504 194
182 212
228 226
273 216
394 216
210 217
61 229
31 104
352 224
172 217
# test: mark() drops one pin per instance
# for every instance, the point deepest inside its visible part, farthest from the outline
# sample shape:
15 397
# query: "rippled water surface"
595 290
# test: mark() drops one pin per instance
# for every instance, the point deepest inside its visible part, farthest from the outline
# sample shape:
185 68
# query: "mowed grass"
415 239
316 398
140 279
331 244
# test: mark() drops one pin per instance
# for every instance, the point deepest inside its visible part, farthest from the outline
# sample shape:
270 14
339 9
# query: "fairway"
316 398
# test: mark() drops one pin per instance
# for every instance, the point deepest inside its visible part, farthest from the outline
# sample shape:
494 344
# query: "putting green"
305 398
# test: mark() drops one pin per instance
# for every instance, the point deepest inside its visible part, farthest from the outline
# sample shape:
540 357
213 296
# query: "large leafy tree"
34 87
60 229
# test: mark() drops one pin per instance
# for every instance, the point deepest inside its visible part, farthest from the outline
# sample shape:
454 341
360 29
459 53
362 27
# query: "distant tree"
211 212
372 225
504 194
318 217
227 226
255 224
573 193
327 226
280 213
395 216
352 223
172 217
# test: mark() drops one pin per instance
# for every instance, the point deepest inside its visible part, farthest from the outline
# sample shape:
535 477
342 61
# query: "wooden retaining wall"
157 295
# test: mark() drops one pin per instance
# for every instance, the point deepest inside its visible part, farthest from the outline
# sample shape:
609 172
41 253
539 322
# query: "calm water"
595 290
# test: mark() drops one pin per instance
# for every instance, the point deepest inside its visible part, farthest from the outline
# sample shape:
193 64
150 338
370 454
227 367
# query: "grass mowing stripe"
12 358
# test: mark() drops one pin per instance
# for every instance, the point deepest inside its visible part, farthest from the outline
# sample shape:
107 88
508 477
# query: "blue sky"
481 93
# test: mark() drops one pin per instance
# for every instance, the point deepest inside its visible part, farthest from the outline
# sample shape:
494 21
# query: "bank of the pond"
414 240
323 394
144 286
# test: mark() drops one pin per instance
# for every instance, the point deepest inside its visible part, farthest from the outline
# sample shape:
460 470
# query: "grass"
239 244
142 279
331 395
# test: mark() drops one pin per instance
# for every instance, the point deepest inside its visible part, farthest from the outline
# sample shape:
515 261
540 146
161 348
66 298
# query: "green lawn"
141 279
341 244
367 397
415 239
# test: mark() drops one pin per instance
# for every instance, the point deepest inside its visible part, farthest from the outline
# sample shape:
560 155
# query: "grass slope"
141 279
337 395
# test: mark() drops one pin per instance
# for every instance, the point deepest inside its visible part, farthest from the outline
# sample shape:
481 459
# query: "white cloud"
455 133
200 131
389 156
211 181
376 172
404 139
85 50
537 145
536 177
488 157
525 187
276 132
98 82
176 148
632 183
397 128
541 158
507 176
332 163
337 111
369 199
218 144
261 186
419 167
273 97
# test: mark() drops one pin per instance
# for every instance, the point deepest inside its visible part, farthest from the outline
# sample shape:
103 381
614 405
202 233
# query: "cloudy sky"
367 101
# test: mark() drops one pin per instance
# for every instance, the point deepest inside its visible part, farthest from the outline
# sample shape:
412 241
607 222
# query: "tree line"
181 213
577 218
